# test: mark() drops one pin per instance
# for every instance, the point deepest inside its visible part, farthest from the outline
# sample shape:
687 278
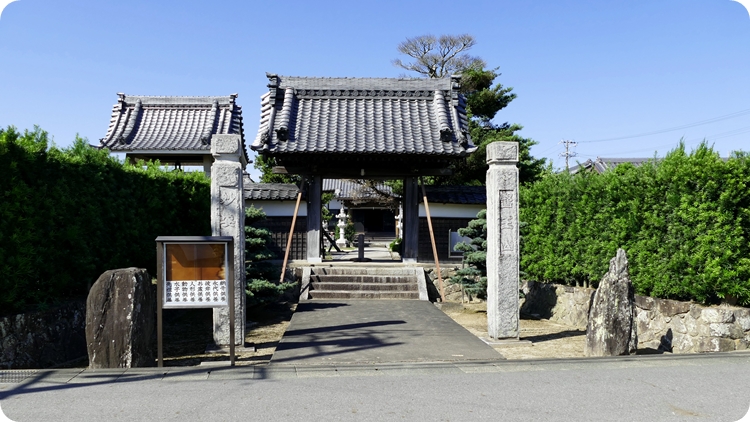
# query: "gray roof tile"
349 189
600 165
148 123
363 116
271 191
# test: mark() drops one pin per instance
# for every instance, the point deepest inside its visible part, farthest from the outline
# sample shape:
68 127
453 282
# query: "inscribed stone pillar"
314 219
502 241
410 242
228 219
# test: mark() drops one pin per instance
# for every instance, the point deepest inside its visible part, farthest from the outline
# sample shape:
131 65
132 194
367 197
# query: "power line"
685 126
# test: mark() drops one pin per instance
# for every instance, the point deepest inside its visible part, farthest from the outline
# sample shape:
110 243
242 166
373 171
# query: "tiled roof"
171 123
600 165
473 195
349 189
363 116
271 191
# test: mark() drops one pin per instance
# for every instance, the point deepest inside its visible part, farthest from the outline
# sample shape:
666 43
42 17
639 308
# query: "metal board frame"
161 243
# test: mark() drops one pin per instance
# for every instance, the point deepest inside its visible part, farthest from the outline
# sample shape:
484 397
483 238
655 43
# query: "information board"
195 275
194 272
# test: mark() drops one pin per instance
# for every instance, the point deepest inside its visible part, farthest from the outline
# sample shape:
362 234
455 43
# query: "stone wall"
43 339
667 325
566 305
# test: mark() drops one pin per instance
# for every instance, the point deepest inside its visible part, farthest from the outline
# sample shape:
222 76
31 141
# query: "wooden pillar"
410 243
314 191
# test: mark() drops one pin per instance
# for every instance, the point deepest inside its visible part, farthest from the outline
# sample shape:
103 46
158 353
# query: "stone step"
362 271
363 294
380 279
375 287
363 283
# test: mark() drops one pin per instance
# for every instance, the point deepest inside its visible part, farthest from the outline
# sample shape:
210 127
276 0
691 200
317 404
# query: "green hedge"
684 222
67 215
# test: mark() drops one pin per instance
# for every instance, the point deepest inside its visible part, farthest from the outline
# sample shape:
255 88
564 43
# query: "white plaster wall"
451 210
279 208
335 204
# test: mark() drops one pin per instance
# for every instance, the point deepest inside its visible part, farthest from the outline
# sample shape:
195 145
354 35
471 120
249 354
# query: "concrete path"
376 331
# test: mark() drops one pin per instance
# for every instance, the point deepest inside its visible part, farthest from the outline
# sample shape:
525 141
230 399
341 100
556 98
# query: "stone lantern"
341 241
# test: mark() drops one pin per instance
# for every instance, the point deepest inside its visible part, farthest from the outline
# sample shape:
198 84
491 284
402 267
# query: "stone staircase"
363 283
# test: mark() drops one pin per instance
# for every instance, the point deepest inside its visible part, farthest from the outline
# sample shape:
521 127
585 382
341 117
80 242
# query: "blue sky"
582 70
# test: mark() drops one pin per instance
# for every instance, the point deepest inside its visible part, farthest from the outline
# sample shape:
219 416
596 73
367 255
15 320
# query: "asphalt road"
642 388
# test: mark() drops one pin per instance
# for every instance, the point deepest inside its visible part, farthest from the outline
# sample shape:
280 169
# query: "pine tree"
262 277
473 274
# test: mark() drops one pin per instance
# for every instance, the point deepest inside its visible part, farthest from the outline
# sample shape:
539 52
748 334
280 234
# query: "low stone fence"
43 339
668 325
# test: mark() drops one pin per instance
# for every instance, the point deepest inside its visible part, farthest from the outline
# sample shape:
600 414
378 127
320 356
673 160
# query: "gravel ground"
548 339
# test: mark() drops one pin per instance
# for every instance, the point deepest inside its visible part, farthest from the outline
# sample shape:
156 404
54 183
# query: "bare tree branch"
438 57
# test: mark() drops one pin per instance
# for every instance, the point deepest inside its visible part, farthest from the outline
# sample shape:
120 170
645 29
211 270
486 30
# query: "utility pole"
568 153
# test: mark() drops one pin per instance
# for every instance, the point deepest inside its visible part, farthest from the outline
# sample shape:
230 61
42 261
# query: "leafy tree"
441 57
266 165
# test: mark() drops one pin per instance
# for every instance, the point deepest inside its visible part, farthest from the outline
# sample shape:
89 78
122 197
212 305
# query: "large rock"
120 320
611 329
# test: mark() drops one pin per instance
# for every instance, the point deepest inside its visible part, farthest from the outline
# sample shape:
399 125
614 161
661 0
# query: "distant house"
371 205
451 208
600 165
278 201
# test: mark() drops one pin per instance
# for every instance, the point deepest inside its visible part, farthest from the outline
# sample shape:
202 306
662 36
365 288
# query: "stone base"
505 343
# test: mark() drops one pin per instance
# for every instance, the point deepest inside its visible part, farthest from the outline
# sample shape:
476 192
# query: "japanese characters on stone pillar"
502 241
228 219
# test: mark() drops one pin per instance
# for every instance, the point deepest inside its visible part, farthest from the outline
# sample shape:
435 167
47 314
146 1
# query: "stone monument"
611 329
502 241
120 320
228 219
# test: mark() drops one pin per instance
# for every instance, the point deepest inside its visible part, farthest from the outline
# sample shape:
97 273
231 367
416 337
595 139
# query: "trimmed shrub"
684 222
67 215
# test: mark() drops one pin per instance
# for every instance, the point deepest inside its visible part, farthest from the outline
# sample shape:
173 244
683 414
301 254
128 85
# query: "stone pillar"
502 241
228 219
410 214
314 219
